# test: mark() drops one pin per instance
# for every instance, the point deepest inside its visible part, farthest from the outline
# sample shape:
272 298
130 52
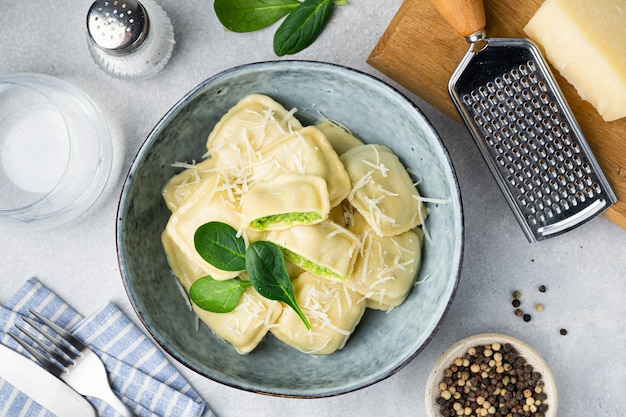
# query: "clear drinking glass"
55 151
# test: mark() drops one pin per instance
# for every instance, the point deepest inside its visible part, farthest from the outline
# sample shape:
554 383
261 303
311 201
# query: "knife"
46 389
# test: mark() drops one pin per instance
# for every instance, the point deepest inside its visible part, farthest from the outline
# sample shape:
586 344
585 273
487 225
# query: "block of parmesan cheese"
585 40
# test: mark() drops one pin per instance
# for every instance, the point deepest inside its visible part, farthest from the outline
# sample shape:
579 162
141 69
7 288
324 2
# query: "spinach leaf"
251 15
266 267
302 26
217 296
218 244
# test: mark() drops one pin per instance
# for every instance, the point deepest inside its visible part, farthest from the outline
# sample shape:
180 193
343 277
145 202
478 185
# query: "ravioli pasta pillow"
186 267
253 123
245 326
305 151
285 201
325 249
332 309
382 190
182 185
210 202
340 139
386 268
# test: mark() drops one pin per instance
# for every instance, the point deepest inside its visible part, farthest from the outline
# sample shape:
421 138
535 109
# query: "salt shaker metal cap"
128 38
117 27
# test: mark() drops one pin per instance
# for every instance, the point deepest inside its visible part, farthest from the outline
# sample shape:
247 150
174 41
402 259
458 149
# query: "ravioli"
305 151
331 308
382 190
286 200
253 123
183 184
185 267
325 249
340 139
245 326
387 267
208 203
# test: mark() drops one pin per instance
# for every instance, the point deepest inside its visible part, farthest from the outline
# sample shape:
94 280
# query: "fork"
71 361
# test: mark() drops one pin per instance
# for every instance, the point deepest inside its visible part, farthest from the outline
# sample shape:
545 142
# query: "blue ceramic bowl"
383 342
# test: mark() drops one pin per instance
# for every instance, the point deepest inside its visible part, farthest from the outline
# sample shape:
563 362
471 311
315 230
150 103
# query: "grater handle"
467 17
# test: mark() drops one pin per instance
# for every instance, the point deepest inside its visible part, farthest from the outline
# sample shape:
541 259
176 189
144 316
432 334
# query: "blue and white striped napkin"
138 372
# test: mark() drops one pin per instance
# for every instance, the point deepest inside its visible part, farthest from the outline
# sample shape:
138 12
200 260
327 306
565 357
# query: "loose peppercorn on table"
580 331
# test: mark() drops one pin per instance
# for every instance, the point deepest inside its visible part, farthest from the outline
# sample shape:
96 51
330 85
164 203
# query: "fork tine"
60 331
45 362
47 348
66 349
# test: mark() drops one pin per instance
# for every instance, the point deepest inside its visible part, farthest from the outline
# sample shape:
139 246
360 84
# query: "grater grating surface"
529 138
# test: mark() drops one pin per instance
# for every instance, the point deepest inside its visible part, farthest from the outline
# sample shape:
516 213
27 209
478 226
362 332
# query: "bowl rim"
460 347
143 151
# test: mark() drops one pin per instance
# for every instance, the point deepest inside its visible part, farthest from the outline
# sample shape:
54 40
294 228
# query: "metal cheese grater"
525 130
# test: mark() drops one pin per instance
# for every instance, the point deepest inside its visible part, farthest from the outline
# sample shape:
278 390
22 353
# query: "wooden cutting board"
420 51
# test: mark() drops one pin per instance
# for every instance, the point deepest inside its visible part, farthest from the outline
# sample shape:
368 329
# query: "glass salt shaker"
129 39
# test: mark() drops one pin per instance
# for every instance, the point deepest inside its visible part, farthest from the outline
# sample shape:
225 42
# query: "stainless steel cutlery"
67 358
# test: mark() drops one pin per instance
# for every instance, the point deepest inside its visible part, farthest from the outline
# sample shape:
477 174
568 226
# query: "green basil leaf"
266 267
218 244
251 15
217 296
302 26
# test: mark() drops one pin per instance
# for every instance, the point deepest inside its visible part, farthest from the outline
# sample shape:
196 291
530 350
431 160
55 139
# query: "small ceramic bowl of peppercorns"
491 375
